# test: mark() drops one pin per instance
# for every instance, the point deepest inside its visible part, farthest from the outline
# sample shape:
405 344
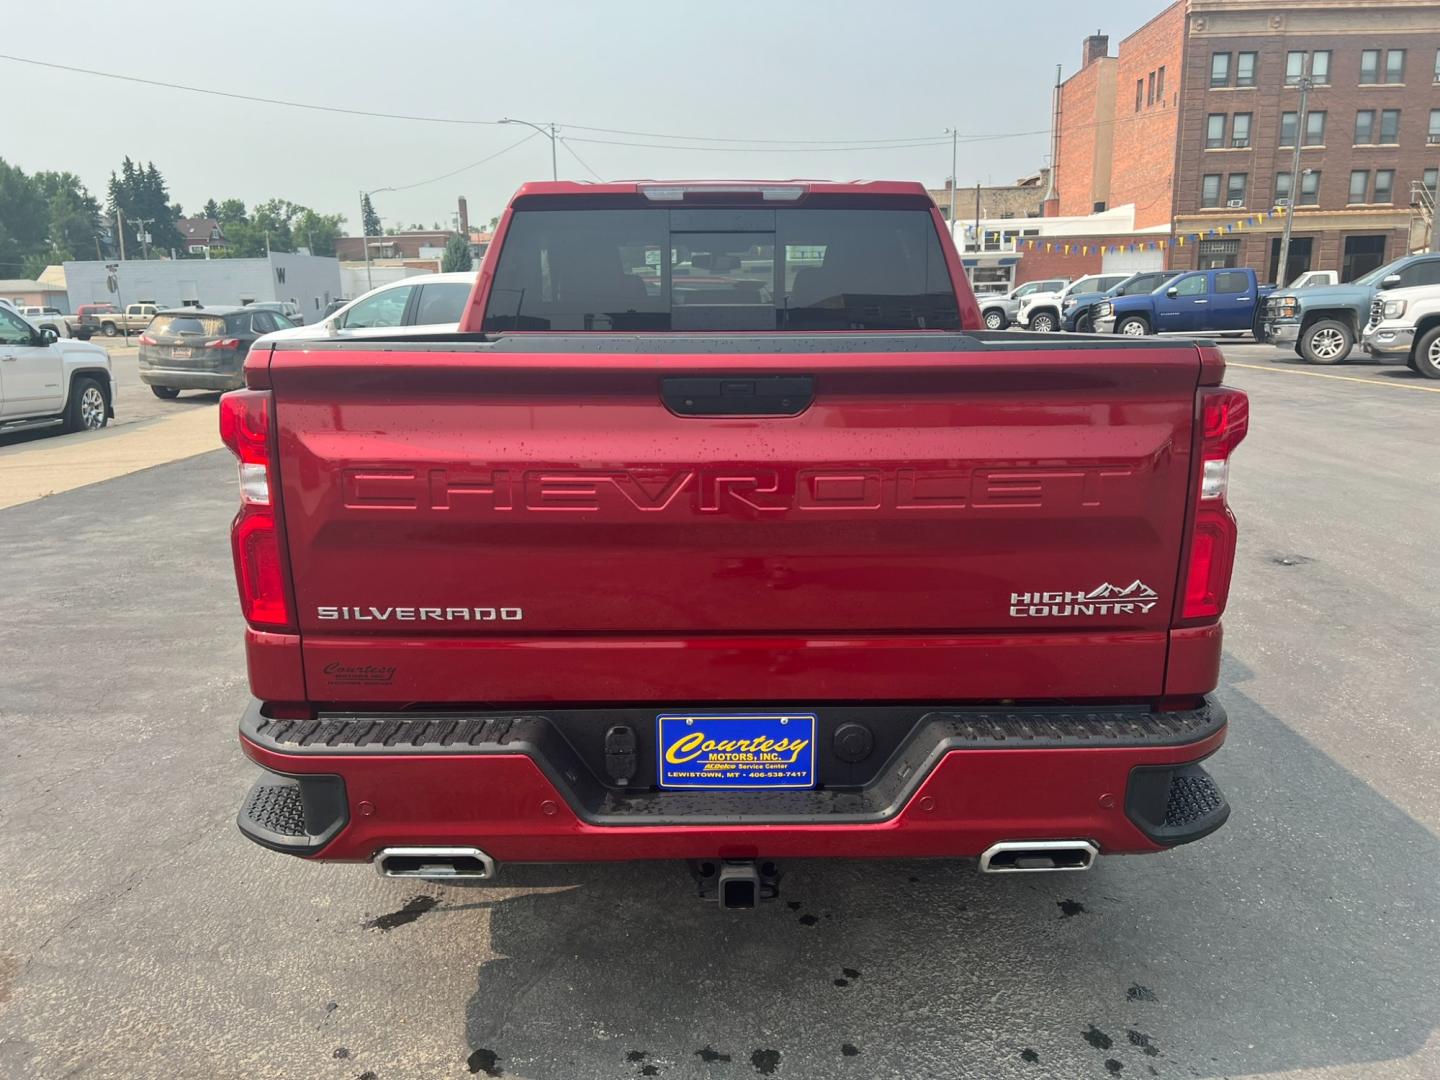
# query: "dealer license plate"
736 750
181 352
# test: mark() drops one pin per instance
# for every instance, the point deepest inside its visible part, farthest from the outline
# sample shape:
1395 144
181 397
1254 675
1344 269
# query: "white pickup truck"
46 382
1043 310
1405 325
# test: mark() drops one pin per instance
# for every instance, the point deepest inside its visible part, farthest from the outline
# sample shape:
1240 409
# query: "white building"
311 281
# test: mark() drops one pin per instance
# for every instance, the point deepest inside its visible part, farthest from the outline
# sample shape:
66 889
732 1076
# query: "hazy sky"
735 69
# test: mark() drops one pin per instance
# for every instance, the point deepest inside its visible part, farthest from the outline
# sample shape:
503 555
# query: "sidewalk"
41 467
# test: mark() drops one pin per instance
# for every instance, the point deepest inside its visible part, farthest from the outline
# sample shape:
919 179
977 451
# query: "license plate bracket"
736 751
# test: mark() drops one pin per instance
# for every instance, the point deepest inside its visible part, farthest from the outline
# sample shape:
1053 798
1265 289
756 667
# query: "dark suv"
202 348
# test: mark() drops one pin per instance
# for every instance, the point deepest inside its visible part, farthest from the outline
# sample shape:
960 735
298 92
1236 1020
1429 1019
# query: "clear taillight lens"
1224 419
245 417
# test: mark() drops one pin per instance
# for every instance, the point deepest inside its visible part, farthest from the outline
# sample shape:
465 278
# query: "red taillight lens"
223 343
1224 419
254 535
146 339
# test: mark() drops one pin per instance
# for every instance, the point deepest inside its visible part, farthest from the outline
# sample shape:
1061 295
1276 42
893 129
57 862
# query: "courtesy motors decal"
1137 598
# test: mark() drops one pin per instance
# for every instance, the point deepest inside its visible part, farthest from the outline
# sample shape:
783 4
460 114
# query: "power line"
245 97
760 149
571 151
467 168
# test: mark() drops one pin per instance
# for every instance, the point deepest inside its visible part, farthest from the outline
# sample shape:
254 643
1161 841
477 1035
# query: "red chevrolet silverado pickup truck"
720 532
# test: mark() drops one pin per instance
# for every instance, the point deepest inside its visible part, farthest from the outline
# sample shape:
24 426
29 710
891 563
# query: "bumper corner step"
295 814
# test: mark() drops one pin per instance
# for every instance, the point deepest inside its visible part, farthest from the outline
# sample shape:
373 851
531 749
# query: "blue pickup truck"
1202 301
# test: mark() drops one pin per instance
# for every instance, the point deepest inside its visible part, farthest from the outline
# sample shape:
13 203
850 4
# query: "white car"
1041 311
46 382
423 304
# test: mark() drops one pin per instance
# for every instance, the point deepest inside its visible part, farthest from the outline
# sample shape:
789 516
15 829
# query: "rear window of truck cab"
724 270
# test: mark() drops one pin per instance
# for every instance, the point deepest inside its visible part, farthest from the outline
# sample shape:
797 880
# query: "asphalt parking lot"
141 936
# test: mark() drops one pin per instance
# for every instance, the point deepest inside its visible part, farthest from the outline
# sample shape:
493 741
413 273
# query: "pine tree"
457 255
211 210
369 219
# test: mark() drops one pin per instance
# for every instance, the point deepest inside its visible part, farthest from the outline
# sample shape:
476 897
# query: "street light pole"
364 236
1295 183
549 132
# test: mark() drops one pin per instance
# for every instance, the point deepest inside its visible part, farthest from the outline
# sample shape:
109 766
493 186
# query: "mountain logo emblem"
1136 590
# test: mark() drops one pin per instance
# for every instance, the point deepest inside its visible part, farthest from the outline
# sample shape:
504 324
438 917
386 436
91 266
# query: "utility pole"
120 230
142 235
978 245
1295 183
364 236
954 139
549 132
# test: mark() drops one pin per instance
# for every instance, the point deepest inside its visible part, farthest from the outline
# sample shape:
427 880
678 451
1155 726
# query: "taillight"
1224 415
146 339
223 343
245 418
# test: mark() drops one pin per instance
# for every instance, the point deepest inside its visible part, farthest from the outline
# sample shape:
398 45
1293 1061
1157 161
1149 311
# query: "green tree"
457 255
318 232
139 193
369 219
45 218
211 209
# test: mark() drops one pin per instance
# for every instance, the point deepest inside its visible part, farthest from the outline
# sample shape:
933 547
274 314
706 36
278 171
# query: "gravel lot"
141 936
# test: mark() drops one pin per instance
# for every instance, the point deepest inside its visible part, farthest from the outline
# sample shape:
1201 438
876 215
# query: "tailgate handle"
753 395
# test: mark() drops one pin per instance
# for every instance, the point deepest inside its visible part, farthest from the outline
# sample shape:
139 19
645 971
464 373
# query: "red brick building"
1195 120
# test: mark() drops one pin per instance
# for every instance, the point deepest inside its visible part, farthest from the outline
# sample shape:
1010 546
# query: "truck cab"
1198 301
47 382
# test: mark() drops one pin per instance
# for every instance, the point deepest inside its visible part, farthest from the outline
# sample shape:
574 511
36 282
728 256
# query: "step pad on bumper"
294 814
1175 804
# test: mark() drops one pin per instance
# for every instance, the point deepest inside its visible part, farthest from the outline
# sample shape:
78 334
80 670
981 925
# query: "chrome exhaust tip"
1038 856
435 863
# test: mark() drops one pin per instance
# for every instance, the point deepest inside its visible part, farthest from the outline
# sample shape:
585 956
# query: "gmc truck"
786 560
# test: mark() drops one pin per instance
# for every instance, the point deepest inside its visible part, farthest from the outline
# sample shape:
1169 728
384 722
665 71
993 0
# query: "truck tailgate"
529 520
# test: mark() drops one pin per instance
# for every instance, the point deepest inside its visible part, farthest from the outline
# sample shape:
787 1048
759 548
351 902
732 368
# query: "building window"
1160 85
1287 128
1430 178
1139 94
1359 185
1369 67
1150 90
1220 69
1282 187
1315 129
1437 65
1245 68
1390 126
1294 67
1362 254
1364 127
1214 130
1240 130
1210 190
1309 187
1235 188
1320 67
1395 66
1384 185
1434 136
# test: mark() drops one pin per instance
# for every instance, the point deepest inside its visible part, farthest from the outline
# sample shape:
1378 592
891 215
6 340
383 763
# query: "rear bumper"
181 379
952 783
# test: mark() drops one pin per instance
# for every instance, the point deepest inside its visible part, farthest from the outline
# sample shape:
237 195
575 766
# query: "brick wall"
1085 113
1143 147
1056 263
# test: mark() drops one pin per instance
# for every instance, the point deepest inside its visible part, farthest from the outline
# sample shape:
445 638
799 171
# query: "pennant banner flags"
1179 240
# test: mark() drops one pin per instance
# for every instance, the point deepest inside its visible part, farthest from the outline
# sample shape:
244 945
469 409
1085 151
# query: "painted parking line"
1339 378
